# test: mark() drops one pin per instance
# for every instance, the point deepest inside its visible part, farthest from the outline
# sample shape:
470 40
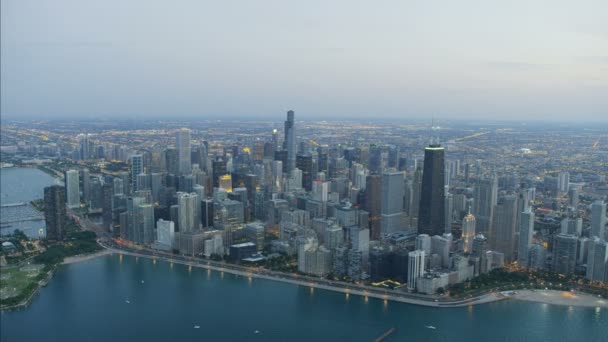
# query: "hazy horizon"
516 61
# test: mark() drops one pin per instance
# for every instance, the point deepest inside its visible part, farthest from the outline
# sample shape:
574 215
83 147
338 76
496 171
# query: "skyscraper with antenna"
431 215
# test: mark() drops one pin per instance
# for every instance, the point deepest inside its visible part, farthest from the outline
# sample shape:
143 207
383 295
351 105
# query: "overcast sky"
515 59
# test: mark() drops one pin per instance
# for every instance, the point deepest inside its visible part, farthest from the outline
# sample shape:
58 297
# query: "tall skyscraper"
486 195
188 212
72 188
526 232
598 219
392 202
502 232
290 141
86 185
183 151
373 203
137 167
415 268
597 261
304 163
564 253
54 212
468 232
431 217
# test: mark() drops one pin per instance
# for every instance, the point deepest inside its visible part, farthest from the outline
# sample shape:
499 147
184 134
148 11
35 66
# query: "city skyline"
518 61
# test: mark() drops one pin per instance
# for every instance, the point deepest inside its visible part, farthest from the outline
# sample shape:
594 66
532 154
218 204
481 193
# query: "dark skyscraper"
431 217
304 163
54 212
373 204
290 141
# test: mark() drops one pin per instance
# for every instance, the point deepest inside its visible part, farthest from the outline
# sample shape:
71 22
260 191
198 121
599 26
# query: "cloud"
518 66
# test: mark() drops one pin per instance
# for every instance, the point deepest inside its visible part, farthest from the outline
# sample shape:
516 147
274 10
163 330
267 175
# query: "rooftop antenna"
434 133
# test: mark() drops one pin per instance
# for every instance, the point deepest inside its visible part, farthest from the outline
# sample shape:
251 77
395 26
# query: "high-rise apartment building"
54 212
72 188
183 151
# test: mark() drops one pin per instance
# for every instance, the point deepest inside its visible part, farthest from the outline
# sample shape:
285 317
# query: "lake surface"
87 302
22 185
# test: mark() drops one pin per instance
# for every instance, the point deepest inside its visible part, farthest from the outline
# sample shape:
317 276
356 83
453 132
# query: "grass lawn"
14 280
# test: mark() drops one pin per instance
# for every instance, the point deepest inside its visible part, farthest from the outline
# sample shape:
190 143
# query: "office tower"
107 191
96 196
289 144
598 219
486 195
225 182
85 177
563 181
564 253
572 226
415 203
184 158
573 196
54 212
375 159
480 245
72 188
144 224
392 202
597 261
304 163
277 176
449 211
165 234
502 232
423 242
431 217
118 186
373 203
526 232
468 232
440 245
188 212
171 161
137 167
219 169
415 268
320 190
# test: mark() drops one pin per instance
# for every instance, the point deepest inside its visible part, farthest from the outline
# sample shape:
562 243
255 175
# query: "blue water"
22 185
87 302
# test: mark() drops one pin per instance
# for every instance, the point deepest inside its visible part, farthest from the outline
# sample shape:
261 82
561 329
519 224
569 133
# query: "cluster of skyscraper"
358 212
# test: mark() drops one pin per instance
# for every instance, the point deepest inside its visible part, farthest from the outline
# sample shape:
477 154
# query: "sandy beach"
561 298
79 258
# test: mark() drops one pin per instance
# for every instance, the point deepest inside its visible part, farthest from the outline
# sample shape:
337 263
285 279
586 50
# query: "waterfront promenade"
313 283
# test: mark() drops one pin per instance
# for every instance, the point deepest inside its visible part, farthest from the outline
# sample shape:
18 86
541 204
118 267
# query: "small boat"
430 327
256 332
128 301
142 281
197 327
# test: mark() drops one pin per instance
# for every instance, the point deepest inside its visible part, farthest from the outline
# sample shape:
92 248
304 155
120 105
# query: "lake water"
87 302
22 185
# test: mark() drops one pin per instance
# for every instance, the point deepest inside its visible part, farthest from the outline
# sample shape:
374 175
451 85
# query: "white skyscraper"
187 210
137 167
598 219
72 181
563 181
183 151
165 233
423 242
526 232
393 190
415 268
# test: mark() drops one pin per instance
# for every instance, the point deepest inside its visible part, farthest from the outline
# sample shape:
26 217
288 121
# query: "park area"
17 280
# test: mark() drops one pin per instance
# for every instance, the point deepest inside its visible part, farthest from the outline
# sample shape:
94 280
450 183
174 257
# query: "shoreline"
483 299
562 298
85 257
